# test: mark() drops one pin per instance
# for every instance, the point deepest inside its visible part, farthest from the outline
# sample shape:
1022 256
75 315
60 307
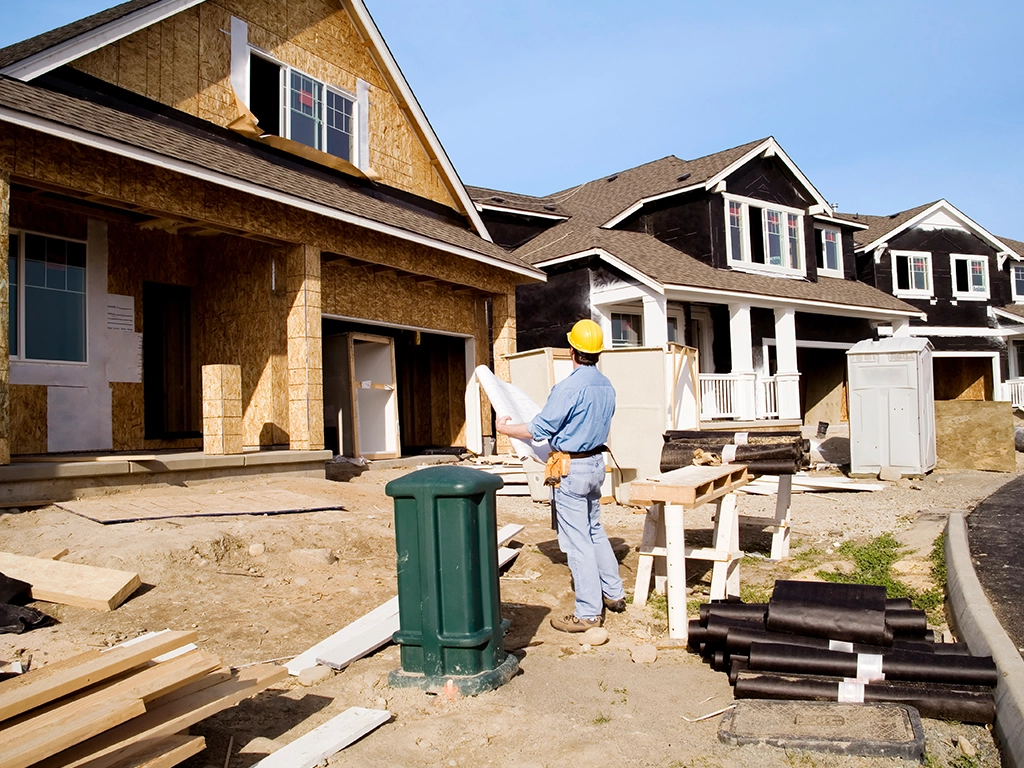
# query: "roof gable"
175 52
941 213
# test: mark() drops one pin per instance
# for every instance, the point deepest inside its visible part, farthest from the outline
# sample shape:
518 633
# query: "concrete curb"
976 624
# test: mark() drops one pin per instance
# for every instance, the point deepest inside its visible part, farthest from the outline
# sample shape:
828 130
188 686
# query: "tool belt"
559 463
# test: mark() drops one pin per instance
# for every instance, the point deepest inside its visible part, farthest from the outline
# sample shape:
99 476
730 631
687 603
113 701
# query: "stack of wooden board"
130 705
511 471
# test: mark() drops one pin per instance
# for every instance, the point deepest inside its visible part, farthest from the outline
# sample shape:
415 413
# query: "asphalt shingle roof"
880 225
595 203
15 53
495 197
233 157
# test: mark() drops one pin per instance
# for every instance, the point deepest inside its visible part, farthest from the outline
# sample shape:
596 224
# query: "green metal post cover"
449 608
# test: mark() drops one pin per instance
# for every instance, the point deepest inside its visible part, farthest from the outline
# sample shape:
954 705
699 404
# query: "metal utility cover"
878 730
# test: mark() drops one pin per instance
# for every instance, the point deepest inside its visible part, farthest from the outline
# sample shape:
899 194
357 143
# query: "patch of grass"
693 606
873 566
755 593
601 719
658 604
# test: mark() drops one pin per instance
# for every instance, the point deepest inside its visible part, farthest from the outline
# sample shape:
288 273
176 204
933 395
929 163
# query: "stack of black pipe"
817 641
764 453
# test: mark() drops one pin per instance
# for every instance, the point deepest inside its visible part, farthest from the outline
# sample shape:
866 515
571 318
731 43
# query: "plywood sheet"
84 586
178 502
28 419
973 434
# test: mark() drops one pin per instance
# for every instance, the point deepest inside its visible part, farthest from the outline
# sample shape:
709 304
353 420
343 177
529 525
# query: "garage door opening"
428 397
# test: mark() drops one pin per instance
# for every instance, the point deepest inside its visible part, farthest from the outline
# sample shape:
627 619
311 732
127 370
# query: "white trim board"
327 739
801 344
519 211
612 260
621 217
925 330
62 53
374 629
681 292
150 157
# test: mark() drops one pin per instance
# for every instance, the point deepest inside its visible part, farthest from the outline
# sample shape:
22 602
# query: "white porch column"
787 377
655 321
741 341
901 327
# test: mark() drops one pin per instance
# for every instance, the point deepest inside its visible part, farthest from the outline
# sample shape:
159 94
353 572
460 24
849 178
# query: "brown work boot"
615 606
571 623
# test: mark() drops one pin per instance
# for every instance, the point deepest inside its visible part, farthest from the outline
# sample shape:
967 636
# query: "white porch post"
787 377
655 321
741 341
901 327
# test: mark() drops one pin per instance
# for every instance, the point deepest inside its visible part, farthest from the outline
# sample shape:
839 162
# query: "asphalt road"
996 533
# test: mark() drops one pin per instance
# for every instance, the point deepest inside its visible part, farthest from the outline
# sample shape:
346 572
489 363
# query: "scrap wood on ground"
109 708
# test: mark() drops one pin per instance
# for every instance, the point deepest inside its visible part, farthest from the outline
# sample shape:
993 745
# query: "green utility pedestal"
448 603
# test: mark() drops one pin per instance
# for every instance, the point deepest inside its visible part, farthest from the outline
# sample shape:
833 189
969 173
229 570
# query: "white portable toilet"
892 406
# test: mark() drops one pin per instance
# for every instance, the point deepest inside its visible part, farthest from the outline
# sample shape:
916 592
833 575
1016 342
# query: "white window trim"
968 295
284 93
912 292
20 357
746 264
1017 297
825 270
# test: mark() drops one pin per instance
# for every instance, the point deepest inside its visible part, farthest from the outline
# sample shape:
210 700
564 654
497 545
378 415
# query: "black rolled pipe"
737 664
733 610
718 627
835 622
853 595
967 706
897 665
909 623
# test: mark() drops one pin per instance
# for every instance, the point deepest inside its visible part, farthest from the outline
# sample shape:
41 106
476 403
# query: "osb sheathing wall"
185 62
5 358
249 299
28 419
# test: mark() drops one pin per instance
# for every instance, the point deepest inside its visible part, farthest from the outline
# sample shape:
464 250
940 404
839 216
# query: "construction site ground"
260 588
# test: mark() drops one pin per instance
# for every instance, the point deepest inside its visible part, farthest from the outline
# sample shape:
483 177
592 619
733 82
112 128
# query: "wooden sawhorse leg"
725 573
780 537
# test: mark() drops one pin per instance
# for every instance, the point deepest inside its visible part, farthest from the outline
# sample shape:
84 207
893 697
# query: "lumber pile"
510 469
83 586
130 705
763 453
818 641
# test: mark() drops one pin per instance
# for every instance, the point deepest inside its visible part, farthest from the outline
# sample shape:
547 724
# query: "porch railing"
1016 387
767 398
718 398
718 395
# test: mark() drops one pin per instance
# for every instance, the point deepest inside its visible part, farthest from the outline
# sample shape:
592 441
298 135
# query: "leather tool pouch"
556 468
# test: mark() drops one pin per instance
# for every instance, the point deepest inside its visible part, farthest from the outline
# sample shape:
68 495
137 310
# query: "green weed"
601 719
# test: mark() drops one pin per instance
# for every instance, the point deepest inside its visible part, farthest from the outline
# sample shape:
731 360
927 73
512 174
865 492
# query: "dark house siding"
546 311
849 330
940 243
683 222
768 179
511 230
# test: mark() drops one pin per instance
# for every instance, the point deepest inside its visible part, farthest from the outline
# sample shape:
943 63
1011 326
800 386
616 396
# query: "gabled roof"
38 55
172 141
645 256
882 229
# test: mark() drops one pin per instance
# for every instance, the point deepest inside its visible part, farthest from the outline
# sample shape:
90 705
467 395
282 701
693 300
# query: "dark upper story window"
764 236
970 276
829 251
290 103
912 274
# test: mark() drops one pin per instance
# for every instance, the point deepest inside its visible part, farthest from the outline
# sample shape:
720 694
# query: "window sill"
831 273
970 297
912 295
757 269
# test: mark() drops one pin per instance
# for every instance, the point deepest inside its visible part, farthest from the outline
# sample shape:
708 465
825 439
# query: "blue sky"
883 105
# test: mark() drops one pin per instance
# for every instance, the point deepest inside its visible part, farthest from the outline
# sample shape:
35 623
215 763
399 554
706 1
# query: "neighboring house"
968 284
152 226
736 254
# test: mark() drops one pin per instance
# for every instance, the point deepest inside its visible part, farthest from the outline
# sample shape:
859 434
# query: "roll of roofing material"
733 610
853 595
676 455
739 639
898 604
737 664
964 705
906 623
834 622
718 627
896 665
737 438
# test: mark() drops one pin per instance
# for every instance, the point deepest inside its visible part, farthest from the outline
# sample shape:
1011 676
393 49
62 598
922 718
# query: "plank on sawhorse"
327 739
370 632
83 586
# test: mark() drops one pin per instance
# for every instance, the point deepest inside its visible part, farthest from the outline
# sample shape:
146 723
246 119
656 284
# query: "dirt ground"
568 706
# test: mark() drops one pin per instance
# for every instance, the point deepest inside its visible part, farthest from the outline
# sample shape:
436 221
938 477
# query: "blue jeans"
595 571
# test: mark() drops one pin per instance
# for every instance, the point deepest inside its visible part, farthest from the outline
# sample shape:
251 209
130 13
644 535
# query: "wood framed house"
222 182
964 280
736 254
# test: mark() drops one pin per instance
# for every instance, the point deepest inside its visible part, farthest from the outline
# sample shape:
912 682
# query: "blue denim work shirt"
578 413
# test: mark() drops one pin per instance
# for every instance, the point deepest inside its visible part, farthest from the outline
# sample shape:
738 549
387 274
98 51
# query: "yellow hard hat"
586 336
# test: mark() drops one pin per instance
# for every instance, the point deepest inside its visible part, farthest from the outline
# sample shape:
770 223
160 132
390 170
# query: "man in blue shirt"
575 421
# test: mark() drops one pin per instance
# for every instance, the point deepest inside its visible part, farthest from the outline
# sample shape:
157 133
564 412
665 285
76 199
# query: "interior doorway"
170 384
